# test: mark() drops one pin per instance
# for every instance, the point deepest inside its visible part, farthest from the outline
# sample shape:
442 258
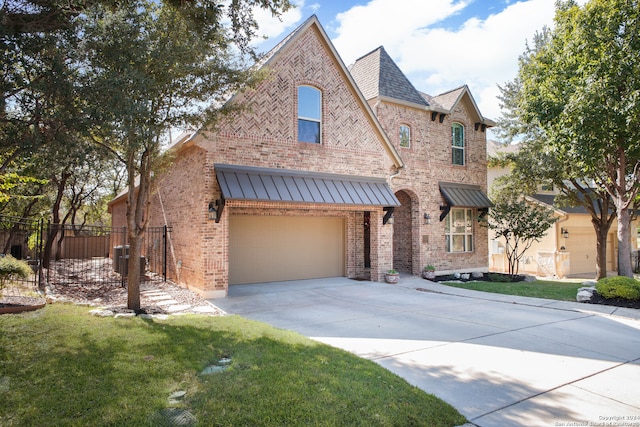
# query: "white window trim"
468 219
455 147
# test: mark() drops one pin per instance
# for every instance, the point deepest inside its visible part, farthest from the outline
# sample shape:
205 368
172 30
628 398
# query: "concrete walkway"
500 360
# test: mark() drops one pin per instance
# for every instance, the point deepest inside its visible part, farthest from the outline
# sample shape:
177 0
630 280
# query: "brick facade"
354 143
428 162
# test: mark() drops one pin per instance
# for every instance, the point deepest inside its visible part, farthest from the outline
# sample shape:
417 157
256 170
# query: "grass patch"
561 291
61 366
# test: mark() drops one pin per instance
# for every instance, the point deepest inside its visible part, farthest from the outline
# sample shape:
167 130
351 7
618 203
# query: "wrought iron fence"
81 256
22 240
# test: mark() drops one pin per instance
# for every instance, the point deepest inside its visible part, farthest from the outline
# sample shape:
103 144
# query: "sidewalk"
415 282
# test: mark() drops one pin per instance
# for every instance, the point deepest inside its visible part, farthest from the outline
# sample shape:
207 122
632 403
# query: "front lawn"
562 291
60 366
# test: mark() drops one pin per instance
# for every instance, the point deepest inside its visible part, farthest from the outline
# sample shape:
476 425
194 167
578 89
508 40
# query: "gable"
270 122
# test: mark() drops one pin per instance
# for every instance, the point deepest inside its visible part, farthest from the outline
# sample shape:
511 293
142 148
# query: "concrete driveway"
500 360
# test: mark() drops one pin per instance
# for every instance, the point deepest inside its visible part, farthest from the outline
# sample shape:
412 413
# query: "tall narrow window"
457 144
459 230
405 136
309 114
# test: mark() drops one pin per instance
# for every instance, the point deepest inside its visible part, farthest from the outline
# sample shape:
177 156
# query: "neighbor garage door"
582 246
277 248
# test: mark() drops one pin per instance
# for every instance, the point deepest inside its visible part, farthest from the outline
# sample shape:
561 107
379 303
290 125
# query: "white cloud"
273 27
481 53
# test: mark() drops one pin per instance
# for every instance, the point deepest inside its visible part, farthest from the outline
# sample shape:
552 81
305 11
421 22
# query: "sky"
438 44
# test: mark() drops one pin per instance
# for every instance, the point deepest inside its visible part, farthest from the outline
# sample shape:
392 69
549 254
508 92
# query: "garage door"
276 248
582 246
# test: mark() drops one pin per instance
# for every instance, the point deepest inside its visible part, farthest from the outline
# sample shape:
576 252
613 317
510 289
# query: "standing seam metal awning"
284 185
465 195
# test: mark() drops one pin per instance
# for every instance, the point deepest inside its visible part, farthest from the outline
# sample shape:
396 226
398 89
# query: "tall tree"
156 65
579 91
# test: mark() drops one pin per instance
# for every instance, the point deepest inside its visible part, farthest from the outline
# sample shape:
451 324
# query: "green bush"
495 277
619 287
11 269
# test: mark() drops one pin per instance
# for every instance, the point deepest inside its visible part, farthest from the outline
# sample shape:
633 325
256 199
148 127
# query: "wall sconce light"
391 220
427 219
215 209
564 232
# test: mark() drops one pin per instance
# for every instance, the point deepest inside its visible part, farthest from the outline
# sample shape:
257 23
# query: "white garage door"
277 248
582 246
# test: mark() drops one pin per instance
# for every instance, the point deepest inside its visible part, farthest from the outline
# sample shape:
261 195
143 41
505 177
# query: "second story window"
457 144
309 114
405 136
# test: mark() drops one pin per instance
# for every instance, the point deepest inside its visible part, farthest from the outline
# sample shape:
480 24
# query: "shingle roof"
378 75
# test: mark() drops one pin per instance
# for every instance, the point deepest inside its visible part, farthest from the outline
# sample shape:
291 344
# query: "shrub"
11 268
495 277
619 287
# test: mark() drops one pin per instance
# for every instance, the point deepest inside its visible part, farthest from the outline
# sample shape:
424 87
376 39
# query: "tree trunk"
624 243
137 216
601 250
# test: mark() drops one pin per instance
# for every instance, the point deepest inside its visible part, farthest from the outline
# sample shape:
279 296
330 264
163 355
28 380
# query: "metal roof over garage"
285 185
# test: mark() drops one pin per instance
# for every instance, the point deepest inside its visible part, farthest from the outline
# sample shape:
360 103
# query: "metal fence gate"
79 255
22 239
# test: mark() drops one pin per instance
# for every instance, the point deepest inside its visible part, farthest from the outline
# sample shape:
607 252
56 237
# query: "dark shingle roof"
376 74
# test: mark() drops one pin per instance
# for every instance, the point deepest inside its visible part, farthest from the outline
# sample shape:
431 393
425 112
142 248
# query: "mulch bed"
617 302
90 282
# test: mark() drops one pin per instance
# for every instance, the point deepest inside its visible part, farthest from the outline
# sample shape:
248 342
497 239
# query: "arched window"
309 114
457 144
405 136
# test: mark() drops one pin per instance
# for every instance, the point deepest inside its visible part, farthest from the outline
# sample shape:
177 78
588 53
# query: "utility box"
124 265
118 253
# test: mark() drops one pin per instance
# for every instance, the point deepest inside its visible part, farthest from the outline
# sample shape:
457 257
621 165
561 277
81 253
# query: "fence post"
124 254
164 253
40 232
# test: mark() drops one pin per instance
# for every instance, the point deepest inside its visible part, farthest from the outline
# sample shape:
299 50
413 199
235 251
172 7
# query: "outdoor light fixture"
427 219
215 210
564 232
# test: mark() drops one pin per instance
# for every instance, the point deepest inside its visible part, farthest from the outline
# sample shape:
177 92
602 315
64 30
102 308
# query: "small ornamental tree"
519 223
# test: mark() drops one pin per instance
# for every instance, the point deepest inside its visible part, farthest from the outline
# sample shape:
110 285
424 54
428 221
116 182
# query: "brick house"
442 187
314 179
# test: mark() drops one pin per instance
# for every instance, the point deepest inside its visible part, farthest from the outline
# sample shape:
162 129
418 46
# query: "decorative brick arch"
405 244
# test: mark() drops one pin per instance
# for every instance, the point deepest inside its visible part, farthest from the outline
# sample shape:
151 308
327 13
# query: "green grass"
60 366
562 291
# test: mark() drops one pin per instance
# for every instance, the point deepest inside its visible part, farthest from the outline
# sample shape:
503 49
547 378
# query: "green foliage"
11 269
392 271
576 97
561 291
519 223
501 278
619 287
429 268
63 365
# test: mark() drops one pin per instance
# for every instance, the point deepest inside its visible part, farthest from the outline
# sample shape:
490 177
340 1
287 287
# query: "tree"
579 92
519 223
532 165
151 66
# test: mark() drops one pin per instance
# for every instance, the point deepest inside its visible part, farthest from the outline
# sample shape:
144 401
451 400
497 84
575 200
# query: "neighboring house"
326 173
568 248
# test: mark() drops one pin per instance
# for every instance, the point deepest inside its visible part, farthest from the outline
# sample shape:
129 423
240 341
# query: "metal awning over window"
463 195
284 185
